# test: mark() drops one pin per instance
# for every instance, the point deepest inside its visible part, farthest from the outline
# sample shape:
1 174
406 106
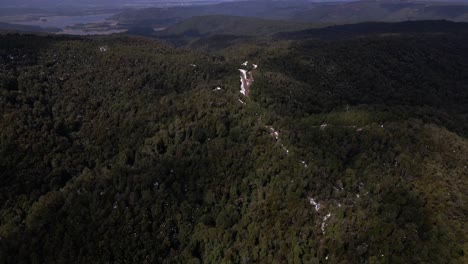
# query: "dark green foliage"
130 155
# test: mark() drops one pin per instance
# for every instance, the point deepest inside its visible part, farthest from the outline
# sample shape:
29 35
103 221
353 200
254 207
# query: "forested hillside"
127 150
231 25
316 12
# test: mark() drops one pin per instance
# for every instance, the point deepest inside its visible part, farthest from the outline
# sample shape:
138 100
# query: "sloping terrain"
388 11
260 9
302 11
122 149
259 14
14 27
433 27
217 32
231 25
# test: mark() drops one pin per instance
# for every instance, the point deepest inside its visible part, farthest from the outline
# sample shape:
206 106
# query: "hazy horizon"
117 3
124 3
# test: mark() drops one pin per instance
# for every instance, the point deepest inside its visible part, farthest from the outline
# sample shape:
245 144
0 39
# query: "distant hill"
172 15
8 26
218 32
372 28
231 25
390 11
176 19
303 11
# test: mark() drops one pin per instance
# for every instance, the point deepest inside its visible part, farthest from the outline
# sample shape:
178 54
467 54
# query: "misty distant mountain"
146 15
51 3
303 11
112 3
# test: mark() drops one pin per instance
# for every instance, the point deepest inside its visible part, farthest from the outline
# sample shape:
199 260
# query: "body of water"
64 21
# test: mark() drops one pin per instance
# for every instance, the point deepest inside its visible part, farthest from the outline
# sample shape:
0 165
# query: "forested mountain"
138 19
126 150
13 27
231 25
427 27
332 12
222 31
387 10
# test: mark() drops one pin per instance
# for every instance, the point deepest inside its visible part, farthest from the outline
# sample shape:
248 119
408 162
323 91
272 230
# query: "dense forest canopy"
348 149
